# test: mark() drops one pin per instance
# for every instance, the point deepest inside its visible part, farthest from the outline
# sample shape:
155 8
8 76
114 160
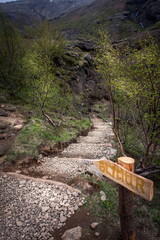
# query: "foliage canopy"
133 78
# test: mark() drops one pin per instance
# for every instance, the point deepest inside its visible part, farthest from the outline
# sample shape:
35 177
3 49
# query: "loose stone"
62 218
73 234
94 225
19 223
97 234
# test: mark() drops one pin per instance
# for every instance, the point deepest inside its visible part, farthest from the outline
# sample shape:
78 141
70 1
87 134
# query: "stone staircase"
33 208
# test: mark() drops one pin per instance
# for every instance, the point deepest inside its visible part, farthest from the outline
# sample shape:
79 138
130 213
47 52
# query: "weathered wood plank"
133 182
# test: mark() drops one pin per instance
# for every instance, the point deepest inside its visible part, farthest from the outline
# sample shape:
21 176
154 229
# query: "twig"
49 119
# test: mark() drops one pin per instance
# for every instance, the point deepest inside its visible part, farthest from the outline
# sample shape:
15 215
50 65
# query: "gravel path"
77 158
32 208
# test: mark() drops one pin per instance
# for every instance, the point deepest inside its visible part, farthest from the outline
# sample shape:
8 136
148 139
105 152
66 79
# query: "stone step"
90 151
67 167
102 134
106 125
93 139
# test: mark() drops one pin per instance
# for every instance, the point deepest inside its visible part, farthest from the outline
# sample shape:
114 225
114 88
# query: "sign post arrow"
123 174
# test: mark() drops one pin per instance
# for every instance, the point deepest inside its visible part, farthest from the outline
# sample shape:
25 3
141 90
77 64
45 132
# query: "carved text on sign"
130 180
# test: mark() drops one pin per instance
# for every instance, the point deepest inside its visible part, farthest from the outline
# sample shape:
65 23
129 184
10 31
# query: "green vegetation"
34 73
102 109
88 23
38 132
146 213
11 55
36 69
107 209
132 77
111 202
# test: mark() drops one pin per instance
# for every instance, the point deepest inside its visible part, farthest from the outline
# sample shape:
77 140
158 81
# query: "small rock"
72 234
97 234
102 193
45 177
19 223
53 205
22 182
62 218
65 197
94 225
87 186
44 209
18 171
18 127
75 208
75 194
103 198
46 216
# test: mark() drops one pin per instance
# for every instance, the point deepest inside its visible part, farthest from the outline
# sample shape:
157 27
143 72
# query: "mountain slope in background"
28 12
122 18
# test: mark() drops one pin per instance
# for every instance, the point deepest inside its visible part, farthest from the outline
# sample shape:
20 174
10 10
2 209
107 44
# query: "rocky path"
32 208
78 157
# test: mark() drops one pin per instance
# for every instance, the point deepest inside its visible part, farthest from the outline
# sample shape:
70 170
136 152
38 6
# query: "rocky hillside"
85 12
121 18
145 12
27 12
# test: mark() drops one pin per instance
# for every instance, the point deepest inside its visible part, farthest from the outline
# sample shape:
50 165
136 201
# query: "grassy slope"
38 132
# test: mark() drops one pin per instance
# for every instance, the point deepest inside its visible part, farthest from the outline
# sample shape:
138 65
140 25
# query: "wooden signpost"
123 174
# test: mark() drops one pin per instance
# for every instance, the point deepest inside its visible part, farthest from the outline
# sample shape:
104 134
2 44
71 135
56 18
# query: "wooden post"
126 204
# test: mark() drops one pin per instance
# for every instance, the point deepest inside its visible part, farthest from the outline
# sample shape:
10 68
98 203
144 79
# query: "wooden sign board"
133 182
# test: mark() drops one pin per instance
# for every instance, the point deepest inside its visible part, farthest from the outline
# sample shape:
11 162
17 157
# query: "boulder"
93 170
72 234
3 113
85 45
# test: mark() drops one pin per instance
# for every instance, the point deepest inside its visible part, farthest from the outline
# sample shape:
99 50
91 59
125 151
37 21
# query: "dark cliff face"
145 12
28 12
